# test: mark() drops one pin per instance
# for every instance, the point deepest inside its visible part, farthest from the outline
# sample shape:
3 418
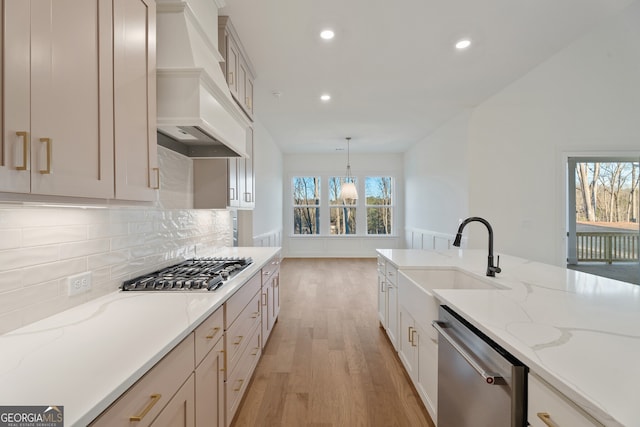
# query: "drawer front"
239 377
208 334
238 301
271 267
392 273
546 402
153 391
238 335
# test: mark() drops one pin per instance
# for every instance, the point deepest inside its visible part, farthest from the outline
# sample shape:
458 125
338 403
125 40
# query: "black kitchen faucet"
491 269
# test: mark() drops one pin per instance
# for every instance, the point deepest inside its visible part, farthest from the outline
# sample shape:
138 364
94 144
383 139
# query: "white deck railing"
607 246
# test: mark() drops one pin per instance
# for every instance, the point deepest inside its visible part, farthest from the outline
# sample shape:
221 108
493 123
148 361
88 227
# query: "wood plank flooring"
328 363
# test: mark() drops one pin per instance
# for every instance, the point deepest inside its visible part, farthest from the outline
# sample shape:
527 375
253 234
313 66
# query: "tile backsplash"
41 246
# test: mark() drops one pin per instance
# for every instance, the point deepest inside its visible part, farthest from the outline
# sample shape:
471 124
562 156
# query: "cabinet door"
247 176
248 95
234 187
382 300
210 388
72 98
276 295
137 175
267 313
232 60
407 342
15 41
180 411
427 372
393 328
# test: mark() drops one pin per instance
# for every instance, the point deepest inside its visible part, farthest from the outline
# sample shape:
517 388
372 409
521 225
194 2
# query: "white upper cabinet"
137 173
61 125
236 67
60 61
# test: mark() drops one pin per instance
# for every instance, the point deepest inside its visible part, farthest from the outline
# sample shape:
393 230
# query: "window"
342 213
306 205
319 210
378 204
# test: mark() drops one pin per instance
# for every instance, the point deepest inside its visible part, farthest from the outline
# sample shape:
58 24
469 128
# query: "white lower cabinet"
243 341
180 410
547 407
160 395
418 352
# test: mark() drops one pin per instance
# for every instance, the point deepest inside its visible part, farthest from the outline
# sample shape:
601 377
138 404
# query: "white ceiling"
392 70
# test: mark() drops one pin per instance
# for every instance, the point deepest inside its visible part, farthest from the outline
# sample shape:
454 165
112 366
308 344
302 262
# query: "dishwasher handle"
490 378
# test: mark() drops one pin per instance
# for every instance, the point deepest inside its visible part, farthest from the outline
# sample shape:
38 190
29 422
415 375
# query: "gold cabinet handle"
213 333
230 77
154 399
255 351
49 149
264 300
25 149
546 419
255 315
238 340
239 385
413 341
409 334
157 171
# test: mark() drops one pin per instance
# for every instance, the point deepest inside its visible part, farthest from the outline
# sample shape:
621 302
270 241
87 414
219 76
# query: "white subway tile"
23 297
54 270
25 257
10 238
10 280
108 259
36 236
87 247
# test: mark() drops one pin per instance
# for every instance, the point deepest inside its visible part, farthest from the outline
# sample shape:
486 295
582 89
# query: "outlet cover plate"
79 283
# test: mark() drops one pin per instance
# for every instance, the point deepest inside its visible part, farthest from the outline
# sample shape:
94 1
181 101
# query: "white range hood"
196 114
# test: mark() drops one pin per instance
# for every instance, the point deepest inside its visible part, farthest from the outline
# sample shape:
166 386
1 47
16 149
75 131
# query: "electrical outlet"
79 283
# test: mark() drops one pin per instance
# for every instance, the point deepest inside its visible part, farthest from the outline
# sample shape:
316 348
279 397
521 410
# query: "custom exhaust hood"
196 114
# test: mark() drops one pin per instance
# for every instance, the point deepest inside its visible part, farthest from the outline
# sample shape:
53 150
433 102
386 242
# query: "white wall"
267 215
584 99
437 185
335 165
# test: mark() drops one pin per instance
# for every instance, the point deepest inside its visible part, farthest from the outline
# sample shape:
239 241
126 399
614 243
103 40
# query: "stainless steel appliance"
479 383
197 274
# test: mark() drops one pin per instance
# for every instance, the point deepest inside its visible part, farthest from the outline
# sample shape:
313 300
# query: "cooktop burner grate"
194 274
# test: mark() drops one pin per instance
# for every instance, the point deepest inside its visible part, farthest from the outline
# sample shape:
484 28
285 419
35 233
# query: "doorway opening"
603 234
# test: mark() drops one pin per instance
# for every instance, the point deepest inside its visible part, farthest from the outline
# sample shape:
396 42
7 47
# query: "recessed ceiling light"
463 44
327 34
325 97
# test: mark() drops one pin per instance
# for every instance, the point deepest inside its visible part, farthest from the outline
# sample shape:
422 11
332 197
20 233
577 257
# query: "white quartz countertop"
85 357
579 332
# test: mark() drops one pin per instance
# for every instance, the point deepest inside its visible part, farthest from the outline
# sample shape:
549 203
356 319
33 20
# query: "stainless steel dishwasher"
479 383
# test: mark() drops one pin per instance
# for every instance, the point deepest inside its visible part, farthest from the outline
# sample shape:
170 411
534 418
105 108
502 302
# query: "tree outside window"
378 195
306 205
342 213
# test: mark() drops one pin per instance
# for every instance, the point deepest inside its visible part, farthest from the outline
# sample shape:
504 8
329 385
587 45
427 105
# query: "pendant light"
348 189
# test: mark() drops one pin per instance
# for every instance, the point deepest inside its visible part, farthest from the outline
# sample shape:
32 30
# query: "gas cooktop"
203 274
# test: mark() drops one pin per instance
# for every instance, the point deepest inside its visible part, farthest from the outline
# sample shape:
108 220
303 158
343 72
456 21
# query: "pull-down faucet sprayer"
491 269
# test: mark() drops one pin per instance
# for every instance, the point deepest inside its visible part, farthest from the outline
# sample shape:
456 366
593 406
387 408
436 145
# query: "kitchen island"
578 332
86 357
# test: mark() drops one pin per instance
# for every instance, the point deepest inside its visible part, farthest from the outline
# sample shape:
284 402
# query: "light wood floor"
327 362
